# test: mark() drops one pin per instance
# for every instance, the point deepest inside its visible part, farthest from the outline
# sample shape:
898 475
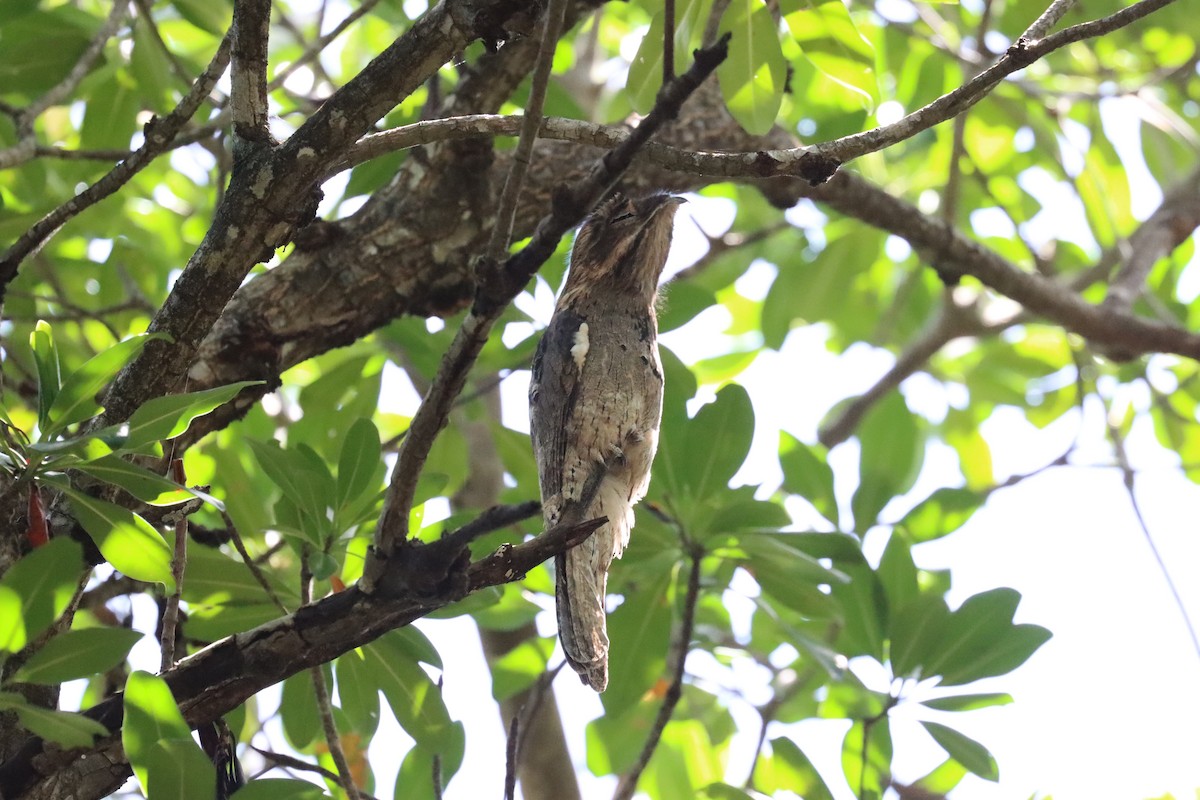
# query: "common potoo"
595 402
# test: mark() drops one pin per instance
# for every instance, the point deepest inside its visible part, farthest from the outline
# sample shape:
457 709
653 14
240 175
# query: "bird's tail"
582 581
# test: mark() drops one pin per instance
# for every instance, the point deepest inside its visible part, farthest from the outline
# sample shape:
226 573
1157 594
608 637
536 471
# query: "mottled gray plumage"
595 402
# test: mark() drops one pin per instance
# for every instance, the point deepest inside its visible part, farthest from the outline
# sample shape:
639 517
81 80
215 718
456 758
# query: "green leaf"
76 400
39 49
125 540
12 624
702 464
44 580
942 779
358 692
111 113
806 473
519 668
832 43
784 570
646 69
864 612
279 789
151 716
745 515
414 698
78 654
640 632
305 482
723 791
147 486
867 757
897 572
889 460
415 778
67 729
359 464
965 750
754 75
790 769
211 15
943 512
150 67
917 630
169 416
178 768
982 642
45 358
968 702
298 710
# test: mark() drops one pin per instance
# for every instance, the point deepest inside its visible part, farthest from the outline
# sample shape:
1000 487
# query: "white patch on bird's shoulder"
580 348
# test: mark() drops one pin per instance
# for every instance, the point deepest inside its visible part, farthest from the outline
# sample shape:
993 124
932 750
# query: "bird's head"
623 246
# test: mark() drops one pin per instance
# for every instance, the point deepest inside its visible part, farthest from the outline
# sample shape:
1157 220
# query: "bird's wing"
553 395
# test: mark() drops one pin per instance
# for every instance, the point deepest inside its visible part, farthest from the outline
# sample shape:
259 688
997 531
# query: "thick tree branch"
273 194
816 162
223 675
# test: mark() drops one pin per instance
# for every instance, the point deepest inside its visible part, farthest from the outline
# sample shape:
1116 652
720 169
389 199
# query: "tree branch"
248 74
1168 227
273 194
223 675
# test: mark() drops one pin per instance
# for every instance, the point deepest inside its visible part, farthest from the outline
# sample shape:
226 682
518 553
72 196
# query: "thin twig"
506 210
1023 53
958 146
250 563
951 323
25 147
291 762
170 620
345 778
1127 475
510 759
320 44
146 15
628 783
436 777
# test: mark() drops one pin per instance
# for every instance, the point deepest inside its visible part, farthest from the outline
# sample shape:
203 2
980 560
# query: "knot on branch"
432 573
496 23
816 168
1021 52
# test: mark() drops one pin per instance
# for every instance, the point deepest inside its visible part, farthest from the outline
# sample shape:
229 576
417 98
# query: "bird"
595 403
